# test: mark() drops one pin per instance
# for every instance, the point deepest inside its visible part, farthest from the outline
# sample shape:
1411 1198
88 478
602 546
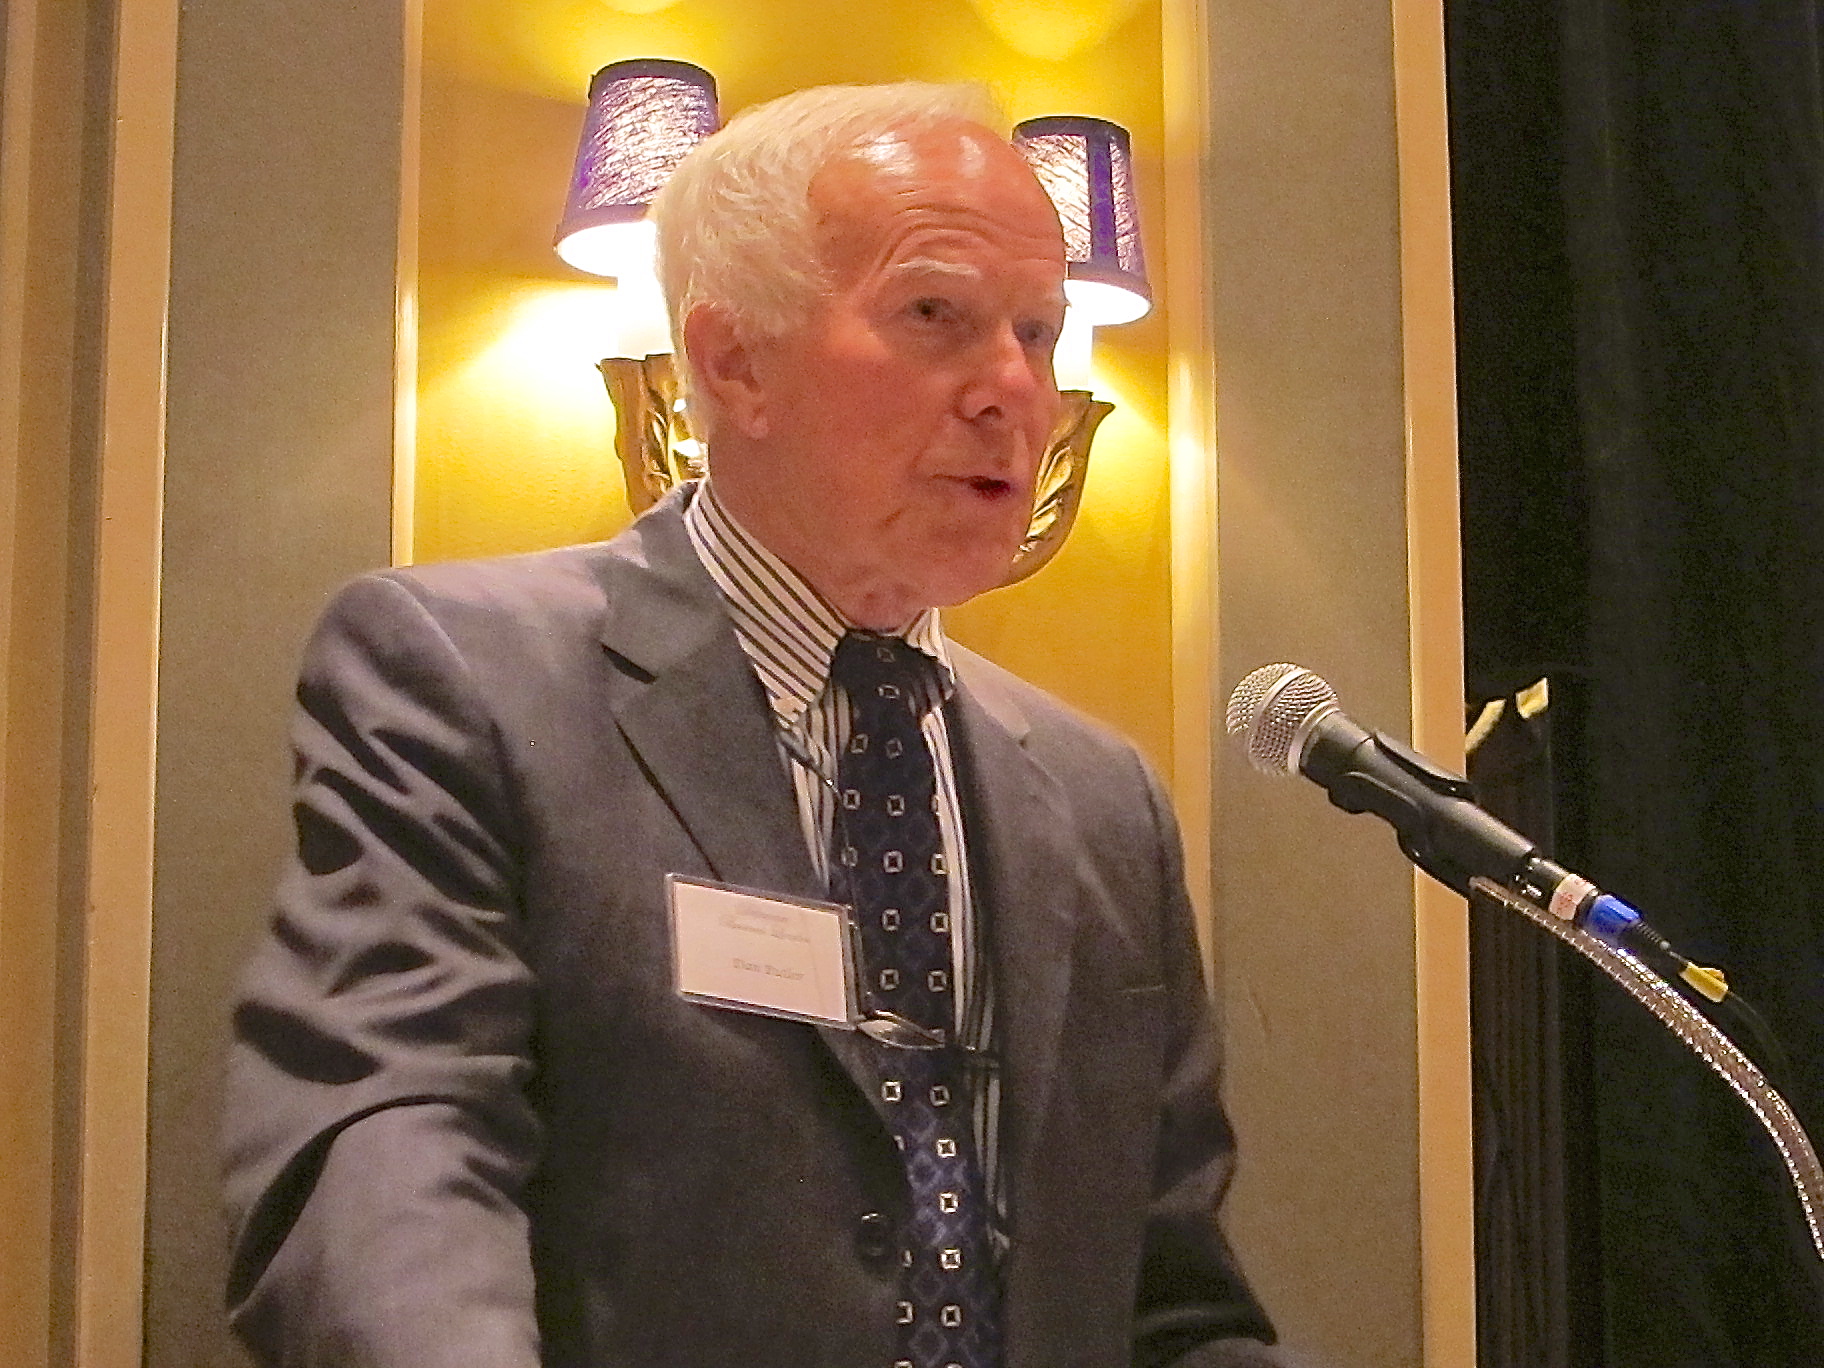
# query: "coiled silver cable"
1704 1040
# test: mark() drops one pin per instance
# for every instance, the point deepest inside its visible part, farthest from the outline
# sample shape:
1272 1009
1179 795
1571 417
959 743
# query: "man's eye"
931 309
1038 333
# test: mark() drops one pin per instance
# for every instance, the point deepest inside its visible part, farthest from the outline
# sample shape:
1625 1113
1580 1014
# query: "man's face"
902 425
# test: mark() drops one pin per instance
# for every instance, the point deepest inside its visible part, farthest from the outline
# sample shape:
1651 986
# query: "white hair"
734 221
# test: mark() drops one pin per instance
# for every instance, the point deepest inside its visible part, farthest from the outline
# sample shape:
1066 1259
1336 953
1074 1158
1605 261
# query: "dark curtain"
1639 206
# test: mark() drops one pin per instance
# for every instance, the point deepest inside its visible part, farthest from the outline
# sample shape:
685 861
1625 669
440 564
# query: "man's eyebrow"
918 266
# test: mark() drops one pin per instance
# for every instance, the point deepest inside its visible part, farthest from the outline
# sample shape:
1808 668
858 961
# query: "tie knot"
877 670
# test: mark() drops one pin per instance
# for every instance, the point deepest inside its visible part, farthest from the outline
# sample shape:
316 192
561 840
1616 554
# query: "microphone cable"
1288 721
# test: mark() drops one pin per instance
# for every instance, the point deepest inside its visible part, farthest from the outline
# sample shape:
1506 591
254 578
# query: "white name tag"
758 952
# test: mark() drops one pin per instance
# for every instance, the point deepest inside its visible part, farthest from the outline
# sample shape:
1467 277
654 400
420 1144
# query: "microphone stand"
1695 1030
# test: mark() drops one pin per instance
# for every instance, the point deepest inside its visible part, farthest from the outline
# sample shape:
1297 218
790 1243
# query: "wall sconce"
645 115
1086 166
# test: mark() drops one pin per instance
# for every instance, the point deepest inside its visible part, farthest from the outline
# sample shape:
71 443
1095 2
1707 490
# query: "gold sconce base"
657 451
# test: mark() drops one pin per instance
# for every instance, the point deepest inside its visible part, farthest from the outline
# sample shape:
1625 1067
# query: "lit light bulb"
1071 360
1105 305
611 249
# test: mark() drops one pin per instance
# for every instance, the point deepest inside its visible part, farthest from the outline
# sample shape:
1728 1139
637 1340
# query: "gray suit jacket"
469 1121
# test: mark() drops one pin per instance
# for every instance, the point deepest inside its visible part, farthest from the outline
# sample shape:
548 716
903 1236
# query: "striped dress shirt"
789 633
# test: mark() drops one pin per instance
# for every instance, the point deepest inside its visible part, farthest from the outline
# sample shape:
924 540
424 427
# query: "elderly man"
478 1115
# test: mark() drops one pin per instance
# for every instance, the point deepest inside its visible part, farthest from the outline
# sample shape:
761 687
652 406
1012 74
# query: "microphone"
1288 721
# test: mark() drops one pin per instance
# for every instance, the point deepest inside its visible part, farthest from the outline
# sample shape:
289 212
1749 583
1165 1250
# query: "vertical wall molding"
85 181
1191 423
405 317
124 693
1343 976
1435 598
37 323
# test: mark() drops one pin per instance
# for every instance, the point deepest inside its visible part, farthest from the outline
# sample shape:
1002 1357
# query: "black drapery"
1639 220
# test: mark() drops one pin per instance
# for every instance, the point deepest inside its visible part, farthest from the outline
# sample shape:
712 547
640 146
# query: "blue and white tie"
888 864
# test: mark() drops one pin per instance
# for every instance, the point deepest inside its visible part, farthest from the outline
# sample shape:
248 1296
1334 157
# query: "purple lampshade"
644 115
1086 165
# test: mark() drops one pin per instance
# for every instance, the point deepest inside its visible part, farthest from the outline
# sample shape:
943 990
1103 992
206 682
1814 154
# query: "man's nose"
1007 379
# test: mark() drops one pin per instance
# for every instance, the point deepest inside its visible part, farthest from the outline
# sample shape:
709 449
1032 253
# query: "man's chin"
939 572
965 580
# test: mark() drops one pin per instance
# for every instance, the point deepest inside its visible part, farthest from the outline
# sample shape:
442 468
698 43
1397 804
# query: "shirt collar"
786 628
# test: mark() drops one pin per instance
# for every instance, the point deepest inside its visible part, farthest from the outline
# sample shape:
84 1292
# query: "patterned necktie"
889 866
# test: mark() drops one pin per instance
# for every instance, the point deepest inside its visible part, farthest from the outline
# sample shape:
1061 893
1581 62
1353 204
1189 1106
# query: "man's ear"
722 363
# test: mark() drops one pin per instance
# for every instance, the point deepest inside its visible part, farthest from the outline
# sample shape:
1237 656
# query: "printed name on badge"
758 952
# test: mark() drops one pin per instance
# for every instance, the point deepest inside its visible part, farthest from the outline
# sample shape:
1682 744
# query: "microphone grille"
1270 708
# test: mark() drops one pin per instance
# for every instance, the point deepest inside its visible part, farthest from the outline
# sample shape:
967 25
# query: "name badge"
759 952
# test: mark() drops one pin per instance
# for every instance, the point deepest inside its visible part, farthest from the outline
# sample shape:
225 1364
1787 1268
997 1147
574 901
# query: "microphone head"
1272 711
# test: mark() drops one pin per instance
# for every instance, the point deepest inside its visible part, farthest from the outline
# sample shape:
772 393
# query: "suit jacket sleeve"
1194 1309
377 1131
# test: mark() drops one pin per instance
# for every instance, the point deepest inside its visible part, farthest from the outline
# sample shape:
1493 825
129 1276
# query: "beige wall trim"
405 354
88 107
1441 941
122 725
34 305
1191 422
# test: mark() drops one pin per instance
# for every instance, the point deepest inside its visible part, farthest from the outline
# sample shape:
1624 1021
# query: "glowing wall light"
644 115
1086 165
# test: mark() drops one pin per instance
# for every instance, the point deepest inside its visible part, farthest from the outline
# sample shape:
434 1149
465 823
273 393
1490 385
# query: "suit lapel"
1022 871
685 678
692 710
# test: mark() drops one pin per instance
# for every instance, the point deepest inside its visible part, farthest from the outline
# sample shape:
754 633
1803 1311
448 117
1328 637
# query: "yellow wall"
514 429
